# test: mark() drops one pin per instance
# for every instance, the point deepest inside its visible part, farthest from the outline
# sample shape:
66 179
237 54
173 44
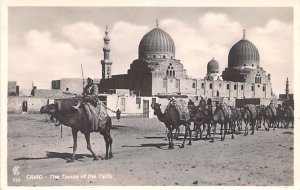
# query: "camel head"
156 108
49 109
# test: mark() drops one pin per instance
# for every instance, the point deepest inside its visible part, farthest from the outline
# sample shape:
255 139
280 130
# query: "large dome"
243 54
157 44
213 66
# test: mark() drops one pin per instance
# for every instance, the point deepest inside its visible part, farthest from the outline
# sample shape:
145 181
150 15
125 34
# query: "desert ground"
37 156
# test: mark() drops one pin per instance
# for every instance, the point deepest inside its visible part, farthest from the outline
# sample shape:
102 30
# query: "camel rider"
273 109
90 92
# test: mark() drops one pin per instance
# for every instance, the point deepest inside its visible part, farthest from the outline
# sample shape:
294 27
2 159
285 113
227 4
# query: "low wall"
34 104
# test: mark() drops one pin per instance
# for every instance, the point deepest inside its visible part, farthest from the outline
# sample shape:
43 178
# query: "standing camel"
224 117
249 116
172 120
288 116
270 116
83 120
201 116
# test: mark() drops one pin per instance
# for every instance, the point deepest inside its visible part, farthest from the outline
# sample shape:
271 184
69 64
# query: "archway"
24 106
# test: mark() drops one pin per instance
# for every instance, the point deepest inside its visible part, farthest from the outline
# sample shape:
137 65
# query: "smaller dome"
213 66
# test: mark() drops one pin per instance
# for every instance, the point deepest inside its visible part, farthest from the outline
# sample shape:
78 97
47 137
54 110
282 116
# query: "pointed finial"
287 79
156 22
106 29
244 34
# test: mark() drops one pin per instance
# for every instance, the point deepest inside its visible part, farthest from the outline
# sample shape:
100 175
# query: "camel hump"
181 107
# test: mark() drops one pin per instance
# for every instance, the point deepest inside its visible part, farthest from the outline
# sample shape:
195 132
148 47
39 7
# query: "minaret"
287 88
106 62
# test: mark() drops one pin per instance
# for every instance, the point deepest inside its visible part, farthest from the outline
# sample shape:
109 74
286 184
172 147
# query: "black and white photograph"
149 95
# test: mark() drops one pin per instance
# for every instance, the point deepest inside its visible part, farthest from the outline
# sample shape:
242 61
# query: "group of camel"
85 120
206 117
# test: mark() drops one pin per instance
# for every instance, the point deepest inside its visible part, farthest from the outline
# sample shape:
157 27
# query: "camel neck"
160 116
66 118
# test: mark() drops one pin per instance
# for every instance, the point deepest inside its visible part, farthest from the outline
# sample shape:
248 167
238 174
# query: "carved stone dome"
243 54
157 44
213 66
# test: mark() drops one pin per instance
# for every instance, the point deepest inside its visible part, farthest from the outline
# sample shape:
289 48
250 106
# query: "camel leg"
208 130
185 134
110 145
215 130
252 127
232 130
106 146
74 134
246 128
170 138
190 131
89 147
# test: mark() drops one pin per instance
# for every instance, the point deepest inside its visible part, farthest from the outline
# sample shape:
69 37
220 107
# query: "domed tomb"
243 54
213 66
157 44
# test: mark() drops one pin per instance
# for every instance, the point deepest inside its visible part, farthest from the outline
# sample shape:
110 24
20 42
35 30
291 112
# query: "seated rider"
90 92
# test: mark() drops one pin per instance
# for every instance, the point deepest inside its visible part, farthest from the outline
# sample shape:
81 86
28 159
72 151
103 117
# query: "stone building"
157 72
12 88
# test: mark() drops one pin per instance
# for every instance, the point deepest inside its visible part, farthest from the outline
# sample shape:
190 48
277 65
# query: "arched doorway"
218 94
24 106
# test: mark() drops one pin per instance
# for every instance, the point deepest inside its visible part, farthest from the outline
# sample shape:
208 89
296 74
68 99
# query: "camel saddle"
97 115
252 109
226 110
183 110
273 110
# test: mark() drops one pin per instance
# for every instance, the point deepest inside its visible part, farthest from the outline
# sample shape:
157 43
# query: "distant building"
70 85
13 88
156 72
287 97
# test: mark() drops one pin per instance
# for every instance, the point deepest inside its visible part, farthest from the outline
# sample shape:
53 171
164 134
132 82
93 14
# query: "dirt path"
141 156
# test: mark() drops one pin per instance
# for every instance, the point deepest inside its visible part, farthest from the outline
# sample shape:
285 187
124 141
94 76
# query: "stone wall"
14 103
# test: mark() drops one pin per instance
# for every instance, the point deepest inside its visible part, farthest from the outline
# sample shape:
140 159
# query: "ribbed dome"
212 66
157 44
243 53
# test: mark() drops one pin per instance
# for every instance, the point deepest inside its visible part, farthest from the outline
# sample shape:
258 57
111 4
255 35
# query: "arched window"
164 56
242 87
210 86
234 87
154 56
252 88
228 86
168 72
202 85
194 85
173 73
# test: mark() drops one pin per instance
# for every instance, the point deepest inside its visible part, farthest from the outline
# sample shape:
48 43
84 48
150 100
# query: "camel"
259 116
288 116
201 116
280 116
79 120
171 119
270 116
249 117
224 117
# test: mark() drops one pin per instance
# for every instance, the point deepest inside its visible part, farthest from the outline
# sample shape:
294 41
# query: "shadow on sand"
64 156
156 145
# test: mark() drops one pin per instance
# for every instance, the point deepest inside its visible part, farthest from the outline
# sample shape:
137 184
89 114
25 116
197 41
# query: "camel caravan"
206 117
88 114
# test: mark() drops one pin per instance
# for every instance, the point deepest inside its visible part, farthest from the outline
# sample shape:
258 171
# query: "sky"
50 43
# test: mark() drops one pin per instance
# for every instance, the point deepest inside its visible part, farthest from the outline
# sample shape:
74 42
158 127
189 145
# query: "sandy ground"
141 156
